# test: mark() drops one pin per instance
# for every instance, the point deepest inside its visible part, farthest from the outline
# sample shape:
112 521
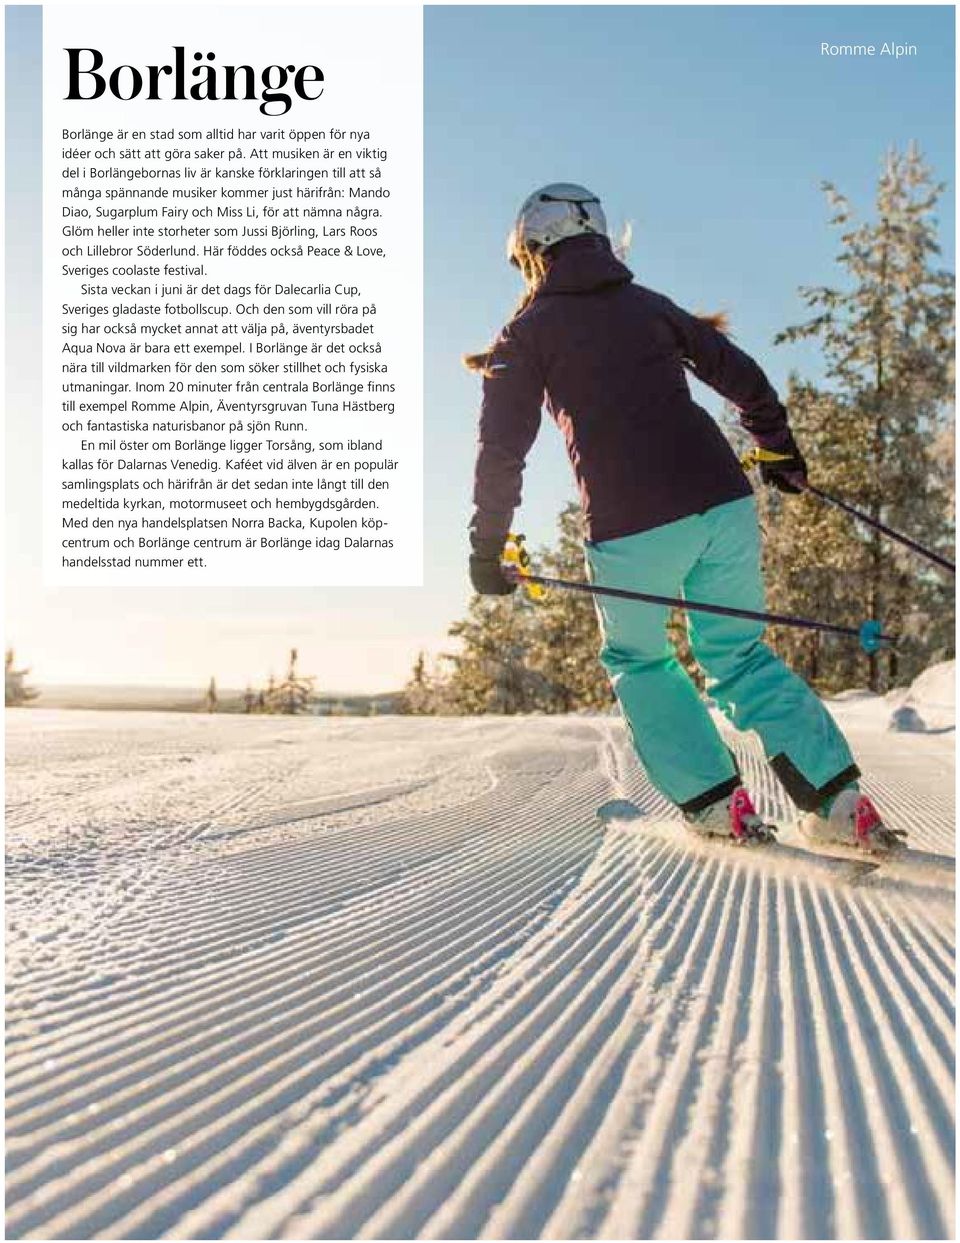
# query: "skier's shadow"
620 809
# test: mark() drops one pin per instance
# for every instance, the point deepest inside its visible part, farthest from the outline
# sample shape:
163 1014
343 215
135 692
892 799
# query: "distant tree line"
290 695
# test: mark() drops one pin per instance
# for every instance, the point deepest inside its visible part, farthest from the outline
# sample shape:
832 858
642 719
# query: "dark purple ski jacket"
607 358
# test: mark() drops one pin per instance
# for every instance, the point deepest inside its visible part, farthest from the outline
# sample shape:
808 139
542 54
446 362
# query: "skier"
667 510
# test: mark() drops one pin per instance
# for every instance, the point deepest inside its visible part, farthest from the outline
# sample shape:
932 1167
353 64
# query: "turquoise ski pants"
713 557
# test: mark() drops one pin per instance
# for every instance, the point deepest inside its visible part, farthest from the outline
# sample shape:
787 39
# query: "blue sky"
709 128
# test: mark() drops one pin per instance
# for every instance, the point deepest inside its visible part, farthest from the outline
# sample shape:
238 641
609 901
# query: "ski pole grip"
756 456
515 563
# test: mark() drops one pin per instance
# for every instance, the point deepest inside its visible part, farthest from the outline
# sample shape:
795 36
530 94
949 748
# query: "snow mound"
929 704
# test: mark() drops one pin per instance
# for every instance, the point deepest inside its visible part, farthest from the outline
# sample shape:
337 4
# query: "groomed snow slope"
394 978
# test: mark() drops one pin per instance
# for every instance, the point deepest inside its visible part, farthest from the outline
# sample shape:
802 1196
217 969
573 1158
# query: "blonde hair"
534 264
716 319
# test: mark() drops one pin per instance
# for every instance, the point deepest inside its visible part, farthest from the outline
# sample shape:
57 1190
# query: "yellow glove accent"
515 554
758 455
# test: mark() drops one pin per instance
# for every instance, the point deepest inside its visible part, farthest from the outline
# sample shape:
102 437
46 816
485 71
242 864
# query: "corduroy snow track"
396 978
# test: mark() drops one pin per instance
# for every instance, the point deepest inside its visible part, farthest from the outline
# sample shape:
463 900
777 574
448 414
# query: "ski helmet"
553 213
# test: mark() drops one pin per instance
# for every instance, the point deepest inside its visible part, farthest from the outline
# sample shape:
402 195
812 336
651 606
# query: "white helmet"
553 213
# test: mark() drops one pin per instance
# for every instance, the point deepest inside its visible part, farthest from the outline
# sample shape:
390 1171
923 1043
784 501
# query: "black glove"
485 573
790 473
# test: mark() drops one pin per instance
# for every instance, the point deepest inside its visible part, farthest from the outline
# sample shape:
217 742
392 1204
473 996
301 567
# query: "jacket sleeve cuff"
778 439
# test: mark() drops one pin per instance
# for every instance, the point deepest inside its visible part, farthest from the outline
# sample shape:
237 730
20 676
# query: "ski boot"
851 819
734 819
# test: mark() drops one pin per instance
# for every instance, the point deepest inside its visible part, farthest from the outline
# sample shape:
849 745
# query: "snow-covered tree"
294 693
875 434
16 691
424 693
565 634
491 672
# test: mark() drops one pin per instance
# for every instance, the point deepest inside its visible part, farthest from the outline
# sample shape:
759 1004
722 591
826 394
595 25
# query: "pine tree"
294 693
491 671
16 691
874 434
421 696
565 635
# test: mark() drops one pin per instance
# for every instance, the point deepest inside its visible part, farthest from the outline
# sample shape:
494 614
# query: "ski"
852 866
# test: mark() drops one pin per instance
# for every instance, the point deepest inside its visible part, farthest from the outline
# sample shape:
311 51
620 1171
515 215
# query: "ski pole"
884 530
869 634
756 456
